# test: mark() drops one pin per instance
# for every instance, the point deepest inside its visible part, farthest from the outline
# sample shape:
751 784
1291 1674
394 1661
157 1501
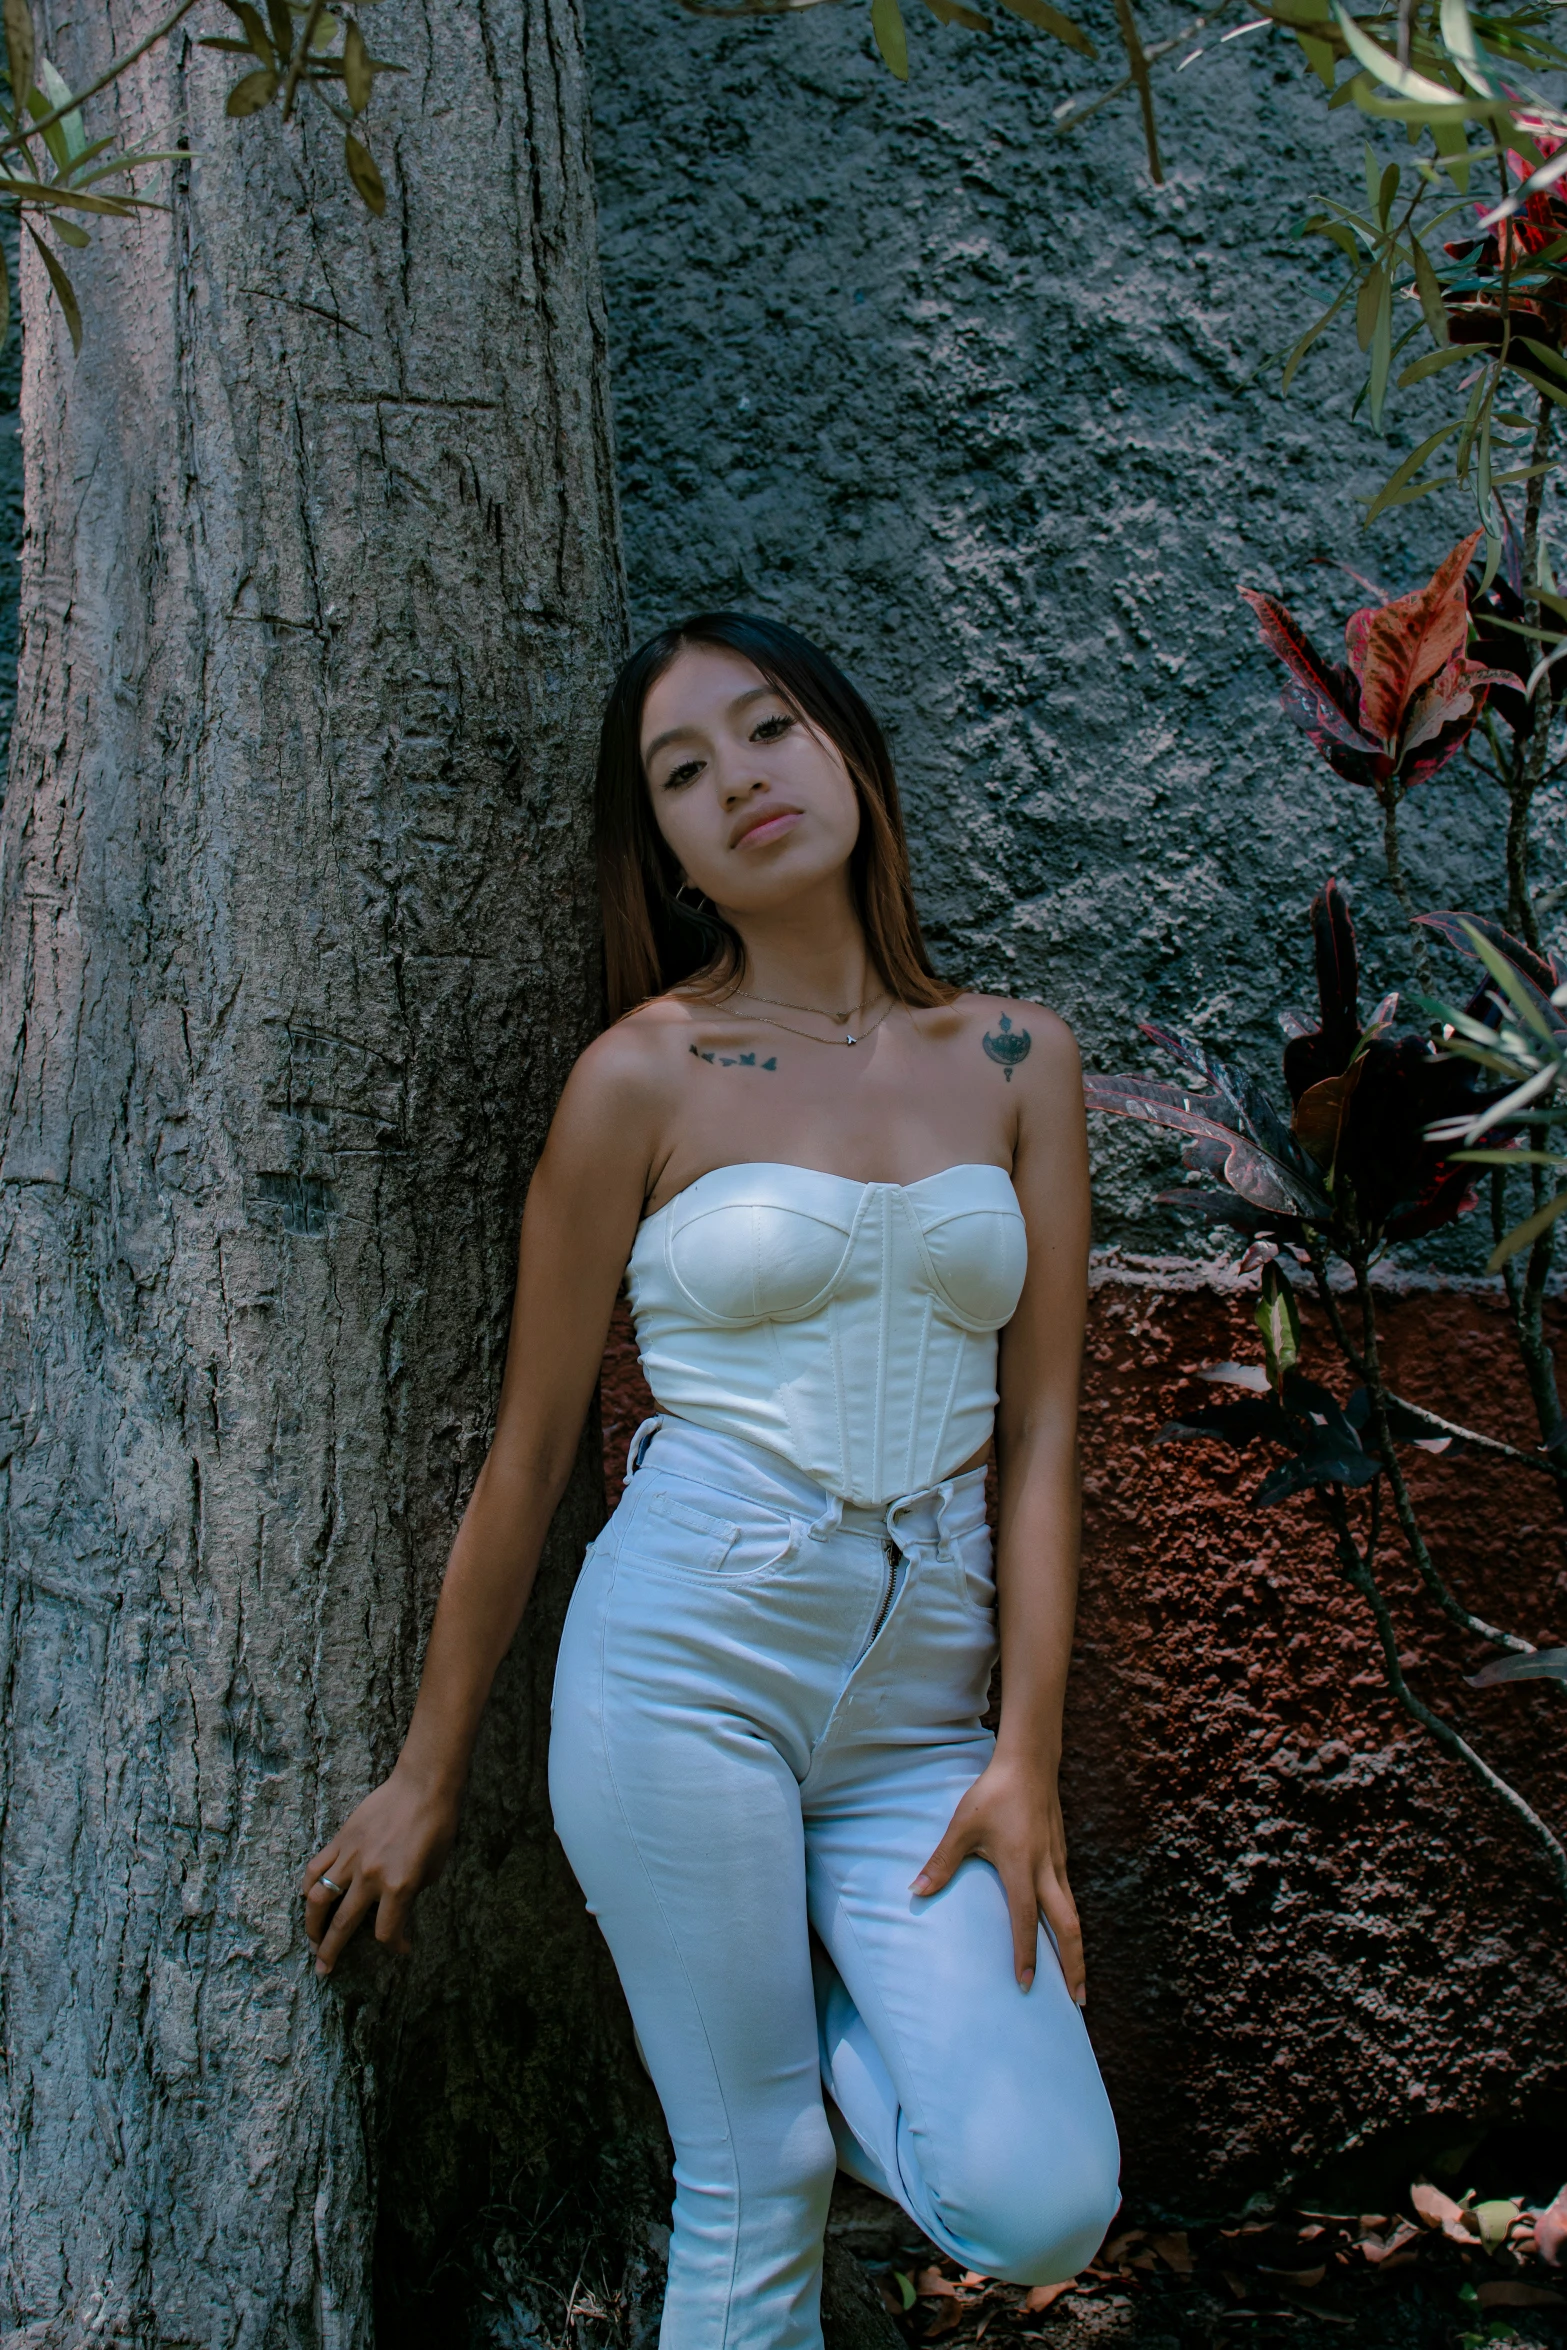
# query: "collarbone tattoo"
733 1060
1008 1048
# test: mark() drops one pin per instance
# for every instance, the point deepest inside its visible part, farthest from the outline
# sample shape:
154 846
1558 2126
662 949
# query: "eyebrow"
675 734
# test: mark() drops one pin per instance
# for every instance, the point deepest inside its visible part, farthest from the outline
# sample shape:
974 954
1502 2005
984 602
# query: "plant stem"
1357 1570
1376 1389
1137 61
1531 744
121 65
1346 1345
1395 874
1526 1305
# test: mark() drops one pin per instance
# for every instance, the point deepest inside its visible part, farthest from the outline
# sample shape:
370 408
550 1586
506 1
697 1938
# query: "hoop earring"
679 897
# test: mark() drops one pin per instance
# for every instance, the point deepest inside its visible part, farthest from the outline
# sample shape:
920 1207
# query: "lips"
765 826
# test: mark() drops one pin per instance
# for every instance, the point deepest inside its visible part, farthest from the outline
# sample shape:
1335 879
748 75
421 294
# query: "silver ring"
325 1880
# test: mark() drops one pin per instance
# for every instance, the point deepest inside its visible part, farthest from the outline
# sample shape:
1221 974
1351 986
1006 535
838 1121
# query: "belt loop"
820 1529
639 1443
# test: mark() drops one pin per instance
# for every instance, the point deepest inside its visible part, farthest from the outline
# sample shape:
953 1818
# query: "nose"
739 787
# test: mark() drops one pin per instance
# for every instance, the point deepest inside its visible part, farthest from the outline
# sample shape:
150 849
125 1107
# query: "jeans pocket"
974 1562
674 1535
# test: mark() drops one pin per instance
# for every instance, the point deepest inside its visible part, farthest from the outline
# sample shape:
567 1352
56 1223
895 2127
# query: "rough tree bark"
320 590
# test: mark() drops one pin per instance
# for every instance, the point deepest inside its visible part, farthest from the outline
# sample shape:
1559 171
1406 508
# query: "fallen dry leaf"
931 2285
1550 2229
1455 2220
1235 2283
945 2321
1513 2293
1305 2278
1174 2251
1380 2249
1041 2296
1112 2252
1373 2220
970 2280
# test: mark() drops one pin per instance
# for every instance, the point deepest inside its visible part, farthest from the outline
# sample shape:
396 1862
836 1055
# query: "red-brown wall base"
1308 1929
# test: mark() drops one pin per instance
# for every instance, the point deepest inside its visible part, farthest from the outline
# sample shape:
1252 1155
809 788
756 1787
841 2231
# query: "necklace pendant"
851 1040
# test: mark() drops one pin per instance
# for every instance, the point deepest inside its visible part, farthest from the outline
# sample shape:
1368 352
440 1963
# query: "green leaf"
1544 353
1507 980
1501 1158
1525 1234
1459 41
58 92
1418 369
1278 1319
1370 305
363 173
905 2285
21 49
1388 494
252 94
1322 60
256 33
1387 69
1310 336
5 299
952 12
1381 359
358 80
891 40
72 235
1556 393
49 193
64 290
1477 399
1451 140
1336 233
1387 193
1050 20
1428 287
282 32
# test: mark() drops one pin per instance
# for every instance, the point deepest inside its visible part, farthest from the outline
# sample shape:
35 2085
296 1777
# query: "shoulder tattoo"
744 1060
1009 1048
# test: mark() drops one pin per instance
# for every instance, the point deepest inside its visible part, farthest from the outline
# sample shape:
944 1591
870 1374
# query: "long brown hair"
656 936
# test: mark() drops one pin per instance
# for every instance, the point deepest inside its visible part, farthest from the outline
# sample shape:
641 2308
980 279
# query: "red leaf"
1319 705
1397 648
1458 691
1321 1111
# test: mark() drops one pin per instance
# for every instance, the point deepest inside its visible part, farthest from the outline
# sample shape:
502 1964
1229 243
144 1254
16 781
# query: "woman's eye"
772 729
686 772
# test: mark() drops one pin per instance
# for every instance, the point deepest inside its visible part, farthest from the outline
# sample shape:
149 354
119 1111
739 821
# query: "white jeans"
766 1710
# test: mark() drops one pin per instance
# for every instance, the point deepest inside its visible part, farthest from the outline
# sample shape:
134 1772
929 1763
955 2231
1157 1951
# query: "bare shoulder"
622 1086
1030 1045
637 1057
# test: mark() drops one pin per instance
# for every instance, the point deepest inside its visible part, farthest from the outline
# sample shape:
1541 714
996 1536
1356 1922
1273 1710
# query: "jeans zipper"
893 1557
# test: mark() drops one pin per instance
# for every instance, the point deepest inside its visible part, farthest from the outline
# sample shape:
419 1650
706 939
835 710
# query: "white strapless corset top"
849 1326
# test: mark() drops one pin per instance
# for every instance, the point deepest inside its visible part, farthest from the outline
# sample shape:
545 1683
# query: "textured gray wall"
973 403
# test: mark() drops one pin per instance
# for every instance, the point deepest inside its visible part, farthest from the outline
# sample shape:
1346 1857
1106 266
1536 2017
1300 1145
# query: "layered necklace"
839 1019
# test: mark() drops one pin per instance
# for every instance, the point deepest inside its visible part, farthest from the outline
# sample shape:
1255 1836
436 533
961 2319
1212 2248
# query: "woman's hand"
1011 1816
390 1847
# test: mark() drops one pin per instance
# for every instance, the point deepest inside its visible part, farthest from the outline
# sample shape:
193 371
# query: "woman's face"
755 803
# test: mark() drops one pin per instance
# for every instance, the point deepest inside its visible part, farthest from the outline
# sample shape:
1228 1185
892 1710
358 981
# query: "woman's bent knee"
1033 2227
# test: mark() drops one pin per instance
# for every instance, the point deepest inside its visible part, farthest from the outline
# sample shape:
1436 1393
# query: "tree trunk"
320 592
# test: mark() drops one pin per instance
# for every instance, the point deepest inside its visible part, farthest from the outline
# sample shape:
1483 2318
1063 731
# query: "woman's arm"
580 1220
1012 1814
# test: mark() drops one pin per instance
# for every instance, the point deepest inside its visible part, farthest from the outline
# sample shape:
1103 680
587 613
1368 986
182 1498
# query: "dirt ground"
1310 2280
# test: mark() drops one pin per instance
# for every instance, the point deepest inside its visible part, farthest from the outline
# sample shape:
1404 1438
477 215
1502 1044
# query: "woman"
834 1179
